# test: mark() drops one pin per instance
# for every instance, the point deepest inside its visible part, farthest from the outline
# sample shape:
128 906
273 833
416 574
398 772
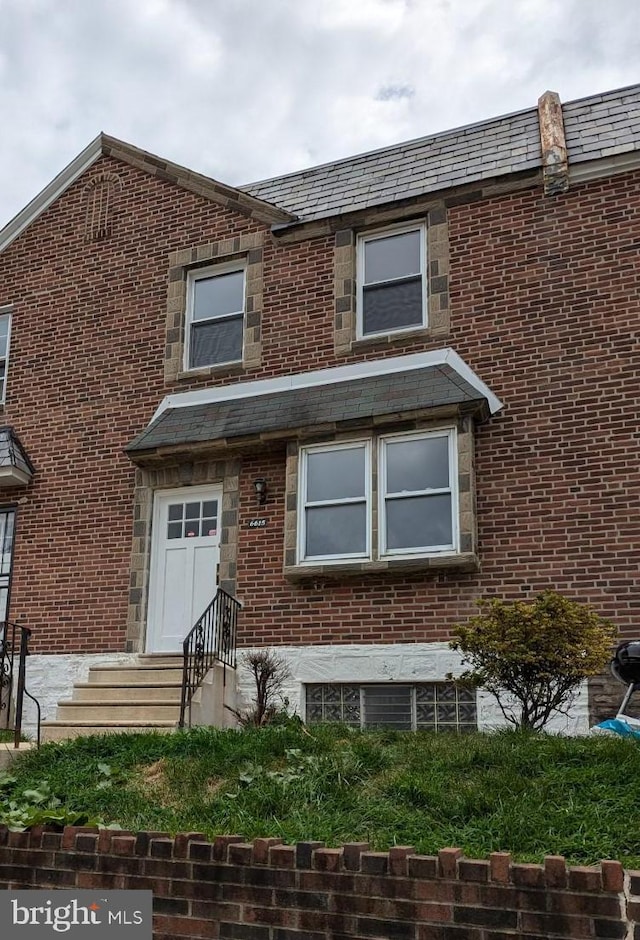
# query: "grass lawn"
531 795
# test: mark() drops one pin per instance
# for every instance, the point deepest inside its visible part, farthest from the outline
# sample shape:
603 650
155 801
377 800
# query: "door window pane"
188 520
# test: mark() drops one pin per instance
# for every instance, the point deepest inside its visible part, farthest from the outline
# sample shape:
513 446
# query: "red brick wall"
268 891
544 306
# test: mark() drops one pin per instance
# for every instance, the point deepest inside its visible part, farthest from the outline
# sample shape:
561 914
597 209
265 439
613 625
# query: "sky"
242 90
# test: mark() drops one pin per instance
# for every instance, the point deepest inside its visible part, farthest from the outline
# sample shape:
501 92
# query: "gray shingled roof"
479 151
601 125
12 453
339 402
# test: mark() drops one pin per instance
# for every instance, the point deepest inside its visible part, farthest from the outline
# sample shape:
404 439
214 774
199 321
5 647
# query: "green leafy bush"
37 806
532 656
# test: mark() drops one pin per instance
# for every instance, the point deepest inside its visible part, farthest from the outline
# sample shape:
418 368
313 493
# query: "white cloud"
245 89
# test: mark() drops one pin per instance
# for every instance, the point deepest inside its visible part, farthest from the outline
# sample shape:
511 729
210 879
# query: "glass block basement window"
429 706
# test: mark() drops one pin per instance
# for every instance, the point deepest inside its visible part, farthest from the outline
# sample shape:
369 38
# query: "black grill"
625 664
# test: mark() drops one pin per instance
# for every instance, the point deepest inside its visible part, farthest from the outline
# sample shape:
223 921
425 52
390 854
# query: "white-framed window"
335 505
5 336
413 486
391 276
215 316
417 505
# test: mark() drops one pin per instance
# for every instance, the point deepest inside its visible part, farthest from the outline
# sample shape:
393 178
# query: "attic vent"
101 193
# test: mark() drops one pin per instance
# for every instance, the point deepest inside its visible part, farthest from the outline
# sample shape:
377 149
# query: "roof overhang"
104 145
15 467
378 393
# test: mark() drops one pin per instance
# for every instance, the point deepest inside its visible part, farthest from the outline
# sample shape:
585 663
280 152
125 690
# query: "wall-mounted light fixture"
261 490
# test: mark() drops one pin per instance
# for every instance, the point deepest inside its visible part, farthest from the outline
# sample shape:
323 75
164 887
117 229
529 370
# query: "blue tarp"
617 726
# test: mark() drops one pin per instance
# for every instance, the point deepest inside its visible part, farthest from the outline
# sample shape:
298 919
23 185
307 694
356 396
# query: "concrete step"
131 675
160 659
63 730
113 692
8 752
98 711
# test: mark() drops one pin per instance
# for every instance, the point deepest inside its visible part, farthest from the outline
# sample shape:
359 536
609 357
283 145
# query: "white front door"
185 550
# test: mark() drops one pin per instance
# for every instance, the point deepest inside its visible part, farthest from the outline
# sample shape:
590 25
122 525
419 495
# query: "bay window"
410 480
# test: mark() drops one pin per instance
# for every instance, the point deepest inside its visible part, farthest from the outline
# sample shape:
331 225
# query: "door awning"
434 383
15 467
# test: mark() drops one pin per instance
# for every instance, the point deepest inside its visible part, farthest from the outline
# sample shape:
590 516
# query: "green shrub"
532 656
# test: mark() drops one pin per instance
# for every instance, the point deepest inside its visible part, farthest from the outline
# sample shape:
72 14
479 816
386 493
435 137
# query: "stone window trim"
245 251
346 338
148 481
465 557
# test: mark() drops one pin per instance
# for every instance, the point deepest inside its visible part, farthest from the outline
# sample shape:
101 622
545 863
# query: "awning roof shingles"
283 412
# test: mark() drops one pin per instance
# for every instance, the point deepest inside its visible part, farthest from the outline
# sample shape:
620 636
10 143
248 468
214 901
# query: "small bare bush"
269 671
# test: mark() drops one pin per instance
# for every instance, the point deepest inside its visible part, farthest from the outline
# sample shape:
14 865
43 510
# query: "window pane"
392 306
335 474
210 507
218 296
392 256
216 342
174 530
419 464
192 511
175 511
336 530
388 705
419 522
4 335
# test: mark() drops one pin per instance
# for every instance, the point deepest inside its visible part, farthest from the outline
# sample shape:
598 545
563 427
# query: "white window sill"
397 336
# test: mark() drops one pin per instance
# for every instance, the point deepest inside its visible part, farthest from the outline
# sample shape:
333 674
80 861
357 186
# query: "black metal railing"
14 649
212 639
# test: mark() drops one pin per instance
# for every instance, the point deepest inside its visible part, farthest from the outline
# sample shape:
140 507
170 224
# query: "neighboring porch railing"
14 649
212 639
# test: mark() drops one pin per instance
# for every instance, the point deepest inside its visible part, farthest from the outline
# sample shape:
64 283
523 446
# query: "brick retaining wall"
268 891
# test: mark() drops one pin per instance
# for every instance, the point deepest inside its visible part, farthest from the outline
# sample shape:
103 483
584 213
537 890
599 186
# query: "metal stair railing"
212 639
14 645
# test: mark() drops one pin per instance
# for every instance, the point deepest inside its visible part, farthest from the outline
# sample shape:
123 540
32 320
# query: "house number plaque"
257 523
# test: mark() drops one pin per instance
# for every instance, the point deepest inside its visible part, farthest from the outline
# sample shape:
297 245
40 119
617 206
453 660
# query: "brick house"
424 357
